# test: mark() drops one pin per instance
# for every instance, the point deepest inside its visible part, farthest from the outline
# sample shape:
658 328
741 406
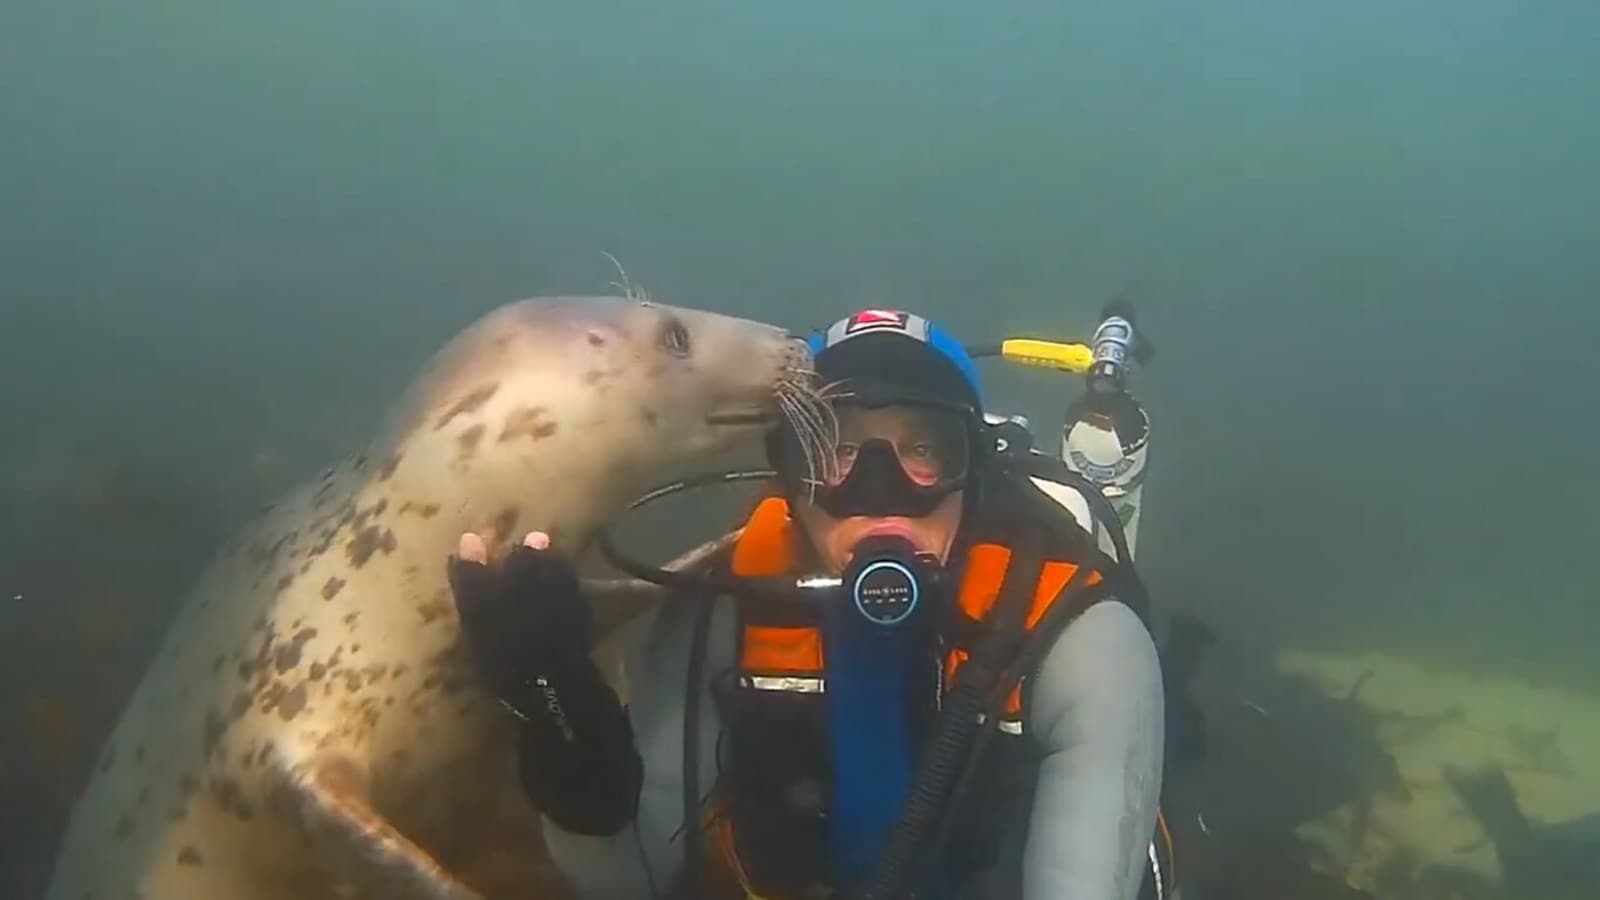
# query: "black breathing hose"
1062 610
692 837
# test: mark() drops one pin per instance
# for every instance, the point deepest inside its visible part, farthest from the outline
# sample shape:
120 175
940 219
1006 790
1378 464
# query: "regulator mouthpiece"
888 580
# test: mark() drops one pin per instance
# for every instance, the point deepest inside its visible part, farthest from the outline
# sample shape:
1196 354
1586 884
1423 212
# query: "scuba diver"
915 672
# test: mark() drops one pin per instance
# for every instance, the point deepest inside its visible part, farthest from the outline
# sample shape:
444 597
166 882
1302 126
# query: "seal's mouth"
798 403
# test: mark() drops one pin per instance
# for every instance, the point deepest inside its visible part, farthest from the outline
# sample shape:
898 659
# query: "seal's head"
551 398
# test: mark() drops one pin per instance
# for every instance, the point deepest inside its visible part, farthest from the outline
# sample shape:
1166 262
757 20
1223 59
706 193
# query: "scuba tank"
1105 432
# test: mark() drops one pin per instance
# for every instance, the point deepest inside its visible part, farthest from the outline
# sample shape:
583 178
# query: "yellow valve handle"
1074 358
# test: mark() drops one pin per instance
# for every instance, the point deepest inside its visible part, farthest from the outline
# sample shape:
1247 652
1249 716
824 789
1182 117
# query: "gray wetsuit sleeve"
1096 709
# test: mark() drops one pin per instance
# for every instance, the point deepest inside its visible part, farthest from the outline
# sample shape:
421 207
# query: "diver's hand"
522 616
529 632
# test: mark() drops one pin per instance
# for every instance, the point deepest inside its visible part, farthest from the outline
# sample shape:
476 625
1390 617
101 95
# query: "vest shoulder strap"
987 565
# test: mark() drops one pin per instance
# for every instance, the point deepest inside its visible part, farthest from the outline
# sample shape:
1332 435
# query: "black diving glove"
520 616
529 632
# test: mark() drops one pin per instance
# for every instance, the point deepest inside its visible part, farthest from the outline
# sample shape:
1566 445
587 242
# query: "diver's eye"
675 338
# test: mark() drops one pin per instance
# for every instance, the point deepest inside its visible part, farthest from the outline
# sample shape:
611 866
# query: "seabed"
1546 739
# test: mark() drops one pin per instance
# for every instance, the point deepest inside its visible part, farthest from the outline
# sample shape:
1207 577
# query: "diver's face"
924 451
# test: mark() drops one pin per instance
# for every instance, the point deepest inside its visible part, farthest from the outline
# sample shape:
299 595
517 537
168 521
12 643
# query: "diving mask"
895 456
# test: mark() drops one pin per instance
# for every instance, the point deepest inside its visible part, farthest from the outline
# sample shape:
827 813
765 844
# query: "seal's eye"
675 338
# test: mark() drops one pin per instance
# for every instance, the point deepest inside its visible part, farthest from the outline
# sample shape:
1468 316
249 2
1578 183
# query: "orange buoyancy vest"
785 653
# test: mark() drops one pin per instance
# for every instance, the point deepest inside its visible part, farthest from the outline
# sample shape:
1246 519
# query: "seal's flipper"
330 795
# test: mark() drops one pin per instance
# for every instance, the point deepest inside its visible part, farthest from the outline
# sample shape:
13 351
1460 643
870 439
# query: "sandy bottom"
1547 740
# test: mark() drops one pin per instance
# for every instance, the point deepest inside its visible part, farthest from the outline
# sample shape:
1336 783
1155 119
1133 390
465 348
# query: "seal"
311 726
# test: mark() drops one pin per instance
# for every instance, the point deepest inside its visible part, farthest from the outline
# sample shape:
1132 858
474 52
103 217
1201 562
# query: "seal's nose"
797 355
